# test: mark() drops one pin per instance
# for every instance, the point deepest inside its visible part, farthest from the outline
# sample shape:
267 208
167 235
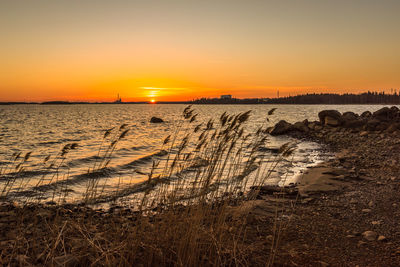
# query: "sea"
43 147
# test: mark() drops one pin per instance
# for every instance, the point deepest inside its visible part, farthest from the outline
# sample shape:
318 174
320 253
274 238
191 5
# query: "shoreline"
344 211
349 211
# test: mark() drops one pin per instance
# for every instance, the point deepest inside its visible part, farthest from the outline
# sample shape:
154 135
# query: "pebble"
382 238
375 222
322 263
369 235
360 243
353 201
370 204
366 210
307 200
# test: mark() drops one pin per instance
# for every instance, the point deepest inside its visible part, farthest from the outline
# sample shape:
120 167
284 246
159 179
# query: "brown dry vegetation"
185 215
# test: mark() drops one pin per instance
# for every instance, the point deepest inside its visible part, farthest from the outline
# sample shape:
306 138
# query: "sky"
181 50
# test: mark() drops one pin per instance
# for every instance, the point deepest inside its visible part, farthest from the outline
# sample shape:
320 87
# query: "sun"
152 101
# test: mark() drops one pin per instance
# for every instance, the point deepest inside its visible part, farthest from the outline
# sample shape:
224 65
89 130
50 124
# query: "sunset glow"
182 50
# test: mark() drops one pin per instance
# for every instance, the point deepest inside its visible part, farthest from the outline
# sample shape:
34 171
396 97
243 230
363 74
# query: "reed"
183 212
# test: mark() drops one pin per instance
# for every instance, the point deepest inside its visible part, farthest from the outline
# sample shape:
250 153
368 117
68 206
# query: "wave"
80 161
143 160
106 172
49 143
24 174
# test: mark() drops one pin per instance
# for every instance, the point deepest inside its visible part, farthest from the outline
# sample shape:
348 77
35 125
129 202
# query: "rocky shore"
348 213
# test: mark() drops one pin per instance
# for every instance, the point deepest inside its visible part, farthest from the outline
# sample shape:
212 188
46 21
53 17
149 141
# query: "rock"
313 124
382 126
366 114
156 120
307 200
366 210
281 127
382 238
375 222
349 116
371 124
318 128
370 204
323 264
301 126
383 114
369 235
332 121
395 110
353 201
364 133
361 243
353 124
393 127
333 114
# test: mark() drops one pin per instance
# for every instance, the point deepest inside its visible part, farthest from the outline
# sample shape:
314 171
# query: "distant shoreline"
179 103
368 98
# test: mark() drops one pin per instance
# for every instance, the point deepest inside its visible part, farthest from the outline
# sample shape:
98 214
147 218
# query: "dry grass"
183 214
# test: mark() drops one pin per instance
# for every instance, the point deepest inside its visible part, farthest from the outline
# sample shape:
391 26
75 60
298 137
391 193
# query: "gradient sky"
181 50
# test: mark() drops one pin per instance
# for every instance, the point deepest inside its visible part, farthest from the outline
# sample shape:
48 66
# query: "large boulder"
383 114
156 120
301 127
366 114
330 117
281 127
387 114
395 113
332 121
349 116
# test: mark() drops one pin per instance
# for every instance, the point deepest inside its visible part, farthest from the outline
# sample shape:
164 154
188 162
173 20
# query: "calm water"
44 130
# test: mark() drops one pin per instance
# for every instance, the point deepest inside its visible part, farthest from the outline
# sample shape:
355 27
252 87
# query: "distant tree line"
363 98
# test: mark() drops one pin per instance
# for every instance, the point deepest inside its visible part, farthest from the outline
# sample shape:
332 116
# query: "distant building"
226 96
119 100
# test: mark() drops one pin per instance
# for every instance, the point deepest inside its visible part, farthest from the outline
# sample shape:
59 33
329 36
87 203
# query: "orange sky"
181 50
